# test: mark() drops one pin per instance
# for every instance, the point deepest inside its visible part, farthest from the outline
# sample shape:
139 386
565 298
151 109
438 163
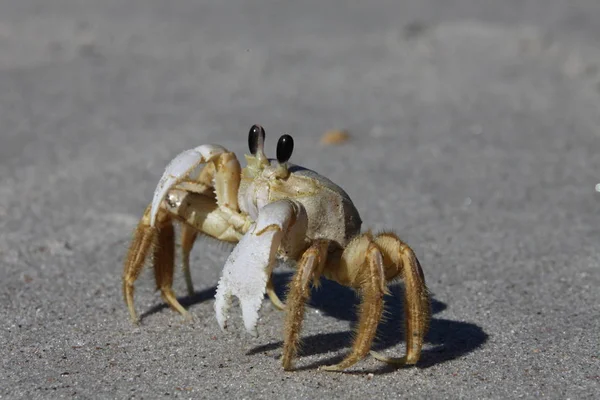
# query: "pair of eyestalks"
256 141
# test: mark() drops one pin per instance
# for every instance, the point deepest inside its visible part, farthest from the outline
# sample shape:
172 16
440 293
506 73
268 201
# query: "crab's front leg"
222 168
154 233
157 239
249 266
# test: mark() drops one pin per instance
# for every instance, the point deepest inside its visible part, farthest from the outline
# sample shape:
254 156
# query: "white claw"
249 266
179 168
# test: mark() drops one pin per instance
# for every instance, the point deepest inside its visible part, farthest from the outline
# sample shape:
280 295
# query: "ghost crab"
275 209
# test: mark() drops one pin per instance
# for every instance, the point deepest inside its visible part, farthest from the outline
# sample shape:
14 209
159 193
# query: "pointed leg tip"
397 361
278 304
133 317
188 317
275 300
331 368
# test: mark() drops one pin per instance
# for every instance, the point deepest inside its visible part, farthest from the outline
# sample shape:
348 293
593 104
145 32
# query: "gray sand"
474 129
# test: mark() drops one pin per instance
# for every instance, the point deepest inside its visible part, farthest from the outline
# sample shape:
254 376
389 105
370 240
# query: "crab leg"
188 237
280 305
309 268
163 258
197 211
223 170
143 239
372 289
161 240
249 266
416 296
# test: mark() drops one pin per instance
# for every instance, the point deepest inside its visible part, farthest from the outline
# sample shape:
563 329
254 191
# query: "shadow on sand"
450 339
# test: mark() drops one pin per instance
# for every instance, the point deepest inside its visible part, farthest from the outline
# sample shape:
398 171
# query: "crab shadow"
186 301
450 339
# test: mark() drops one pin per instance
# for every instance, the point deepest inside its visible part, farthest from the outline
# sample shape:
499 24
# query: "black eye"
285 146
256 138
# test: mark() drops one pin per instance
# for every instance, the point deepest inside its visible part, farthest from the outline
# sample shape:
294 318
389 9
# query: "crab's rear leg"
401 261
364 255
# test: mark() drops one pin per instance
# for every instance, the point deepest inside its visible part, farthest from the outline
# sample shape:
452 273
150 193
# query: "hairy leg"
164 262
309 268
401 260
371 289
143 239
203 215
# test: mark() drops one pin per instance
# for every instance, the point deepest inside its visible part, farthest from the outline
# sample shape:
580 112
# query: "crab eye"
256 138
285 146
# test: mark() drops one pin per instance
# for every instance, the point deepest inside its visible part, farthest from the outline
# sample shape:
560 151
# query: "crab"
273 209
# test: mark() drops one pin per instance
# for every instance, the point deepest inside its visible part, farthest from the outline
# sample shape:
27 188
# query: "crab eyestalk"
256 144
285 147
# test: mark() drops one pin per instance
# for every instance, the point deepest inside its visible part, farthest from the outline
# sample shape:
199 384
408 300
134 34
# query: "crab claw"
179 168
249 266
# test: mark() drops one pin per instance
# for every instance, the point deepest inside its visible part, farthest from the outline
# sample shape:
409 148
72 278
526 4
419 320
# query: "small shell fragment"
335 136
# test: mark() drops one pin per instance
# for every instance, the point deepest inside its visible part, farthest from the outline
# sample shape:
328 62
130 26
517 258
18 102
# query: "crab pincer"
179 168
250 264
